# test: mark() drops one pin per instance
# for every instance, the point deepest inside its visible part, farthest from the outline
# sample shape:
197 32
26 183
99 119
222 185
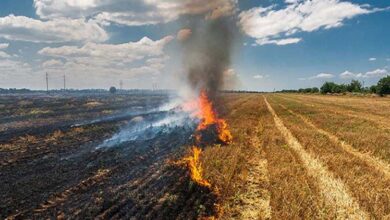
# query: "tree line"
355 86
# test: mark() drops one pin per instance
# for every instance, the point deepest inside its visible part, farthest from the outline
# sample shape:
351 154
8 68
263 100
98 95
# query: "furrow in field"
334 191
364 135
243 178
294 194
377 163
366 184
256 199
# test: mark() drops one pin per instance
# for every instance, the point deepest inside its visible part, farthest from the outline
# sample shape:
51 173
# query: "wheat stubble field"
292 157
307 156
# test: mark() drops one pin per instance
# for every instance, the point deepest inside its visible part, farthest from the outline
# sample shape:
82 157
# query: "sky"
279 44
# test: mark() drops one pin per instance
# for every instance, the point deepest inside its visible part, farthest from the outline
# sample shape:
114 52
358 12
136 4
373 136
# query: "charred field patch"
66 157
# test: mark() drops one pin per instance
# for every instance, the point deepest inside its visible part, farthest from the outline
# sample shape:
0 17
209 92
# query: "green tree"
315 90
373 89
354 86
328 87
383 86
307 90
342 88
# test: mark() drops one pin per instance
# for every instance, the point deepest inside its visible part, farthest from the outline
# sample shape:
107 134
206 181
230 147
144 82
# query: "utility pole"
47 83
64 83
120 84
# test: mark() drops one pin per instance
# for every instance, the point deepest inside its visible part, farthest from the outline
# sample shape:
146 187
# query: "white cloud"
322 76
143 57
13 72
370 74
318 76
258 76
133 12
372 59
279 42
56 30
376 73
347 74
271 24
3 46
4 55
127 52
291 1
52 63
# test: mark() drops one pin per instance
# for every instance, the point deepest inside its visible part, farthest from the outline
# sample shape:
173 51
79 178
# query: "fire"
195 167
208 117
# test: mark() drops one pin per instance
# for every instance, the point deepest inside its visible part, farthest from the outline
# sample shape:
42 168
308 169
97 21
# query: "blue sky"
279 44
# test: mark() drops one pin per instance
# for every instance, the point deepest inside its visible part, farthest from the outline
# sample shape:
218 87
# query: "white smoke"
140 128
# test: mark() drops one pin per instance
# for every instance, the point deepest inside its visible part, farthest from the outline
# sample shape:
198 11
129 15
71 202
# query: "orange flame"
208 117
203 109
195 167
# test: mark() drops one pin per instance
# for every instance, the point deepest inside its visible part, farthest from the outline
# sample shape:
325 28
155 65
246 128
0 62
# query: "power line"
64 83
47 83
154 86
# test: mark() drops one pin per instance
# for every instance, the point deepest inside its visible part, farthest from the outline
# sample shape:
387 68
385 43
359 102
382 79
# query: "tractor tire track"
334 192
257 198
377 163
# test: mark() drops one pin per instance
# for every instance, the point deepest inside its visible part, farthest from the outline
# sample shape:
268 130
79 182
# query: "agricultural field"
311 157
114 157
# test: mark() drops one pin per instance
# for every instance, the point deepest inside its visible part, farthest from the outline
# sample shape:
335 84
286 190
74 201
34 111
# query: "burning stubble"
207 46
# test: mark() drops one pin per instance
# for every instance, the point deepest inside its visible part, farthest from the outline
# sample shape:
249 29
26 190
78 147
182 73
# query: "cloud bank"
52 31
270 25
133 12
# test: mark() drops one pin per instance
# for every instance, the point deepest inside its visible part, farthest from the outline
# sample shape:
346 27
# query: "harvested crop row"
335 193
294 194
362 134
370 160
365 183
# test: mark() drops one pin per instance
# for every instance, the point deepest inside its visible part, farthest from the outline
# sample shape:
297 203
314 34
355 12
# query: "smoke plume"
207 54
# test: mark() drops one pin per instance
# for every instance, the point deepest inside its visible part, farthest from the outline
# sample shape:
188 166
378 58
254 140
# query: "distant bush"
288 91
373 89
354 86
383 86
315 90
112 90
331 87
301 90
328 87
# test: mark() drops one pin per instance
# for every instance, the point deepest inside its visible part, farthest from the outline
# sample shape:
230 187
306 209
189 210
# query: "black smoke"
207 54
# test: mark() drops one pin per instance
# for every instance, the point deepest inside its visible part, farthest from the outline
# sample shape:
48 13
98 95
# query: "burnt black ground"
70 177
